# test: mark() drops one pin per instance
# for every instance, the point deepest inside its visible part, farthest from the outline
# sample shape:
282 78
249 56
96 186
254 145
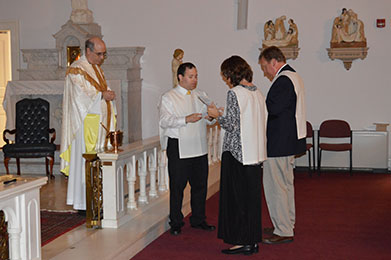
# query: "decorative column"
131 178
124 64
162 171
142 173
152 170
14 238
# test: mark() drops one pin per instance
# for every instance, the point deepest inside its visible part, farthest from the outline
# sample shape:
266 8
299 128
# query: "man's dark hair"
235 69
182 68
272 52
89 45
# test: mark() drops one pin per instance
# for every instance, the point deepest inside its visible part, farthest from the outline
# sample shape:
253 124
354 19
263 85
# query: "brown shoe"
275 239
268 231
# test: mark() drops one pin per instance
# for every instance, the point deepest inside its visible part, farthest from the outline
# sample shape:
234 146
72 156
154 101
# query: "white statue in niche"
348 31
80 12
276 34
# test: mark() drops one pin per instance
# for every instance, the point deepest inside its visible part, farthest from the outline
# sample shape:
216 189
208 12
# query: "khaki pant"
280 193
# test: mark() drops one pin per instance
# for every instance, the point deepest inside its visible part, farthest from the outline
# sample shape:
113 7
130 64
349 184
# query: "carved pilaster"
134 111
124 63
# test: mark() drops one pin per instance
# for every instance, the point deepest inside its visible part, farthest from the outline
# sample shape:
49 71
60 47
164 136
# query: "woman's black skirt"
240 221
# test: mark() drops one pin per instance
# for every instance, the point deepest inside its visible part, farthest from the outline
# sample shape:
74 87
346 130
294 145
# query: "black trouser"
194 170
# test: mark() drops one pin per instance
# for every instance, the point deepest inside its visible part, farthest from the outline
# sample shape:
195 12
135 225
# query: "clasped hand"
108 95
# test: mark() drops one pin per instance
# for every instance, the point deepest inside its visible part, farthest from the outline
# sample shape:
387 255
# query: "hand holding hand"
215 112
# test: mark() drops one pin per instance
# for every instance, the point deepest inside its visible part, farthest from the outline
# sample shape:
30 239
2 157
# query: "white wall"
205 30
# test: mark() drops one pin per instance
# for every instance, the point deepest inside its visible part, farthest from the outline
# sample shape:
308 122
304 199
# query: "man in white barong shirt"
286 137
182 131
87 103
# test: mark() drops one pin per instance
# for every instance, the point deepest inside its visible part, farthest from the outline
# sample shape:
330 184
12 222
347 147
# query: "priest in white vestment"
87 103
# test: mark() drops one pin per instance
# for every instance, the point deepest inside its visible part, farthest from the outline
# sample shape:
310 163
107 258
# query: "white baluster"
152 169
167 178
142 173
215 143
14 239
218 143
120 190
131 177
210 144
162 171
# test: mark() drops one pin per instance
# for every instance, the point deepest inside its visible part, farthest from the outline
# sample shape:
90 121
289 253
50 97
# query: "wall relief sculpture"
276 34
348 40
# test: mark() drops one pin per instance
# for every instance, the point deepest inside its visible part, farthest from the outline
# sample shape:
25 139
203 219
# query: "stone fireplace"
45 74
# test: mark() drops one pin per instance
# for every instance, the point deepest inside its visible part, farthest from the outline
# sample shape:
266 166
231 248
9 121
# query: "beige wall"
205 30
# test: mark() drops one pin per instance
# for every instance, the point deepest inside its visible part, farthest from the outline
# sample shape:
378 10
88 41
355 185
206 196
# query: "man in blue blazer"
286 137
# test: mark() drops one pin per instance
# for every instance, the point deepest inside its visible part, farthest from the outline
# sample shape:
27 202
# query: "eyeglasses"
104 54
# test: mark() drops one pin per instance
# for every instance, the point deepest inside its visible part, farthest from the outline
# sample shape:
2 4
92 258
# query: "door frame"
13 27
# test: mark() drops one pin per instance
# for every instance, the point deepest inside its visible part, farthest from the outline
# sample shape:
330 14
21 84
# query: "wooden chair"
31 134
309 146
310 134
335 129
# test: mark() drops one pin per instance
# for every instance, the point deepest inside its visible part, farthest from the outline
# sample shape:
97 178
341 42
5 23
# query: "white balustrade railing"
214 147
20 203
132 160
143 159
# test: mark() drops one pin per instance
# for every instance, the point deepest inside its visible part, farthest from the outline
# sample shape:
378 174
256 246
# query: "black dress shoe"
245 250
204 226
175 231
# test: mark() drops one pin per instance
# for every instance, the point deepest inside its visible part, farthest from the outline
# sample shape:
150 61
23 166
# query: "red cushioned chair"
310 134
334 129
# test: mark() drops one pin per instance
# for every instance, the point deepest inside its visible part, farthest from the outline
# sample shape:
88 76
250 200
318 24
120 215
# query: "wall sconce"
380 23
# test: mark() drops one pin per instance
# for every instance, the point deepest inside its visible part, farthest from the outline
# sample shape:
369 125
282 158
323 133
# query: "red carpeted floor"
337 217
54 224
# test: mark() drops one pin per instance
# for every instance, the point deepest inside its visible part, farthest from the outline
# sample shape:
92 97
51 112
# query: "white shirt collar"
181 90
281 69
